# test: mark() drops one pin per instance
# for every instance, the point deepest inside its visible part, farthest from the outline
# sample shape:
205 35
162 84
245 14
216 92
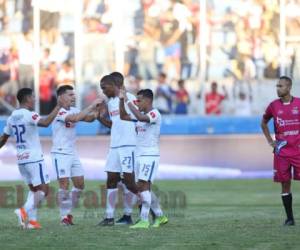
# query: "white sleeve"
7 129
153 116
34 118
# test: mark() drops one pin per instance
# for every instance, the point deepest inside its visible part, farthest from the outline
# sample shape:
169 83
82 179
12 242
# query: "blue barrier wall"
181 125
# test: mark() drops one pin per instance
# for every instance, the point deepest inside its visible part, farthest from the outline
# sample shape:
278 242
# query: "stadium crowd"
160 36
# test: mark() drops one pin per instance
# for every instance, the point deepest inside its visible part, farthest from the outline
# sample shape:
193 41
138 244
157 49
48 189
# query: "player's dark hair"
119 78
23 94
163 75
62 89
148 93
108 79
287 79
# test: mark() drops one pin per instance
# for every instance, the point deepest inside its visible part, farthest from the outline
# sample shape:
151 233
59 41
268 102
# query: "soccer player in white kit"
121 153
64 154
23 124
147 151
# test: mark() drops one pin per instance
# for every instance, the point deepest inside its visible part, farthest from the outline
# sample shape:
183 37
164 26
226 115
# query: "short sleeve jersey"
64 133
286 118
148 134
22 124
122 132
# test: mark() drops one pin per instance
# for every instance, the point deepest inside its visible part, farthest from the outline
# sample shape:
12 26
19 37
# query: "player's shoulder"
74 110
154 113
275 102
296 100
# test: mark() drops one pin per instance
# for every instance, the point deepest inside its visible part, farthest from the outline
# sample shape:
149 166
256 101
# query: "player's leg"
113 170
77 176
37 178
129 200
160 218
62 164
282 174
145 194
130 189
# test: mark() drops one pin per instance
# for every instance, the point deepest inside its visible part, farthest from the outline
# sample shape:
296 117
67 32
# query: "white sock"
146 202
32 202
75 195
155 206
111 201
129 200
64 202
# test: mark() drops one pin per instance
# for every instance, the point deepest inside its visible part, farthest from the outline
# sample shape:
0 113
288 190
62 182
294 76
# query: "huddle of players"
135 129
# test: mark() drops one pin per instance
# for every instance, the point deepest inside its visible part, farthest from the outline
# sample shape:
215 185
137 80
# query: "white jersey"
122 132
64 133
148 134
22 124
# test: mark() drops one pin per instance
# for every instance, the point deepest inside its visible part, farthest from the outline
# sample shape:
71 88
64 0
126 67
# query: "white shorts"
34 173
120 160
67 166
147 167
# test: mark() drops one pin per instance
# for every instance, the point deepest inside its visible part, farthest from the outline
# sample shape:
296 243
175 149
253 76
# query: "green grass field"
208 214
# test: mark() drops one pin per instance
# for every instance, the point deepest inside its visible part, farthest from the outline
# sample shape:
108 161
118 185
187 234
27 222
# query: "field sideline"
210 214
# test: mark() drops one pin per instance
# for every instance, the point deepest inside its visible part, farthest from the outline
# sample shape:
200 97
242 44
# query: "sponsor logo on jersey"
140 129
35 116
23 156
114 113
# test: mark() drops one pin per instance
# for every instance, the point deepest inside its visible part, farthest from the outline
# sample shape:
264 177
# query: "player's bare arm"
3 140
103 112
46 121
87 115
267 134
123 113
139 116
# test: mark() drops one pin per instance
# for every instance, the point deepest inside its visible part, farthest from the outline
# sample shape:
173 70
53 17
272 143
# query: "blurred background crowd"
161 48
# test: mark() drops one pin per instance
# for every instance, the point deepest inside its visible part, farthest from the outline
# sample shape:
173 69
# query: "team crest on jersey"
280 122
280 112
62 112
35 116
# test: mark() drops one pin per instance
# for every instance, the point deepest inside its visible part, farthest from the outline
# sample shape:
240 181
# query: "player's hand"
122 94
272 143
96 103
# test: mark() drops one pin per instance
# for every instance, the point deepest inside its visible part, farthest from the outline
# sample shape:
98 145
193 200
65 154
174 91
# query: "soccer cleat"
140 224
107 222
67 220
124 220
161 220
289 222
22 216
33 224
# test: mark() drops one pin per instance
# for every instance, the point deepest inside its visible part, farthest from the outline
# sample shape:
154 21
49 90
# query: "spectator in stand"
182 99
163 95
26 55
66 74
213 100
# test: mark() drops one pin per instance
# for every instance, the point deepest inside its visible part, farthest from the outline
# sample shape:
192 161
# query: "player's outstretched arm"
87 114
3 139
46 121
266 131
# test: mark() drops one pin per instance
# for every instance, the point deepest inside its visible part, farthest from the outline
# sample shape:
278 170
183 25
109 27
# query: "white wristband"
127 102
